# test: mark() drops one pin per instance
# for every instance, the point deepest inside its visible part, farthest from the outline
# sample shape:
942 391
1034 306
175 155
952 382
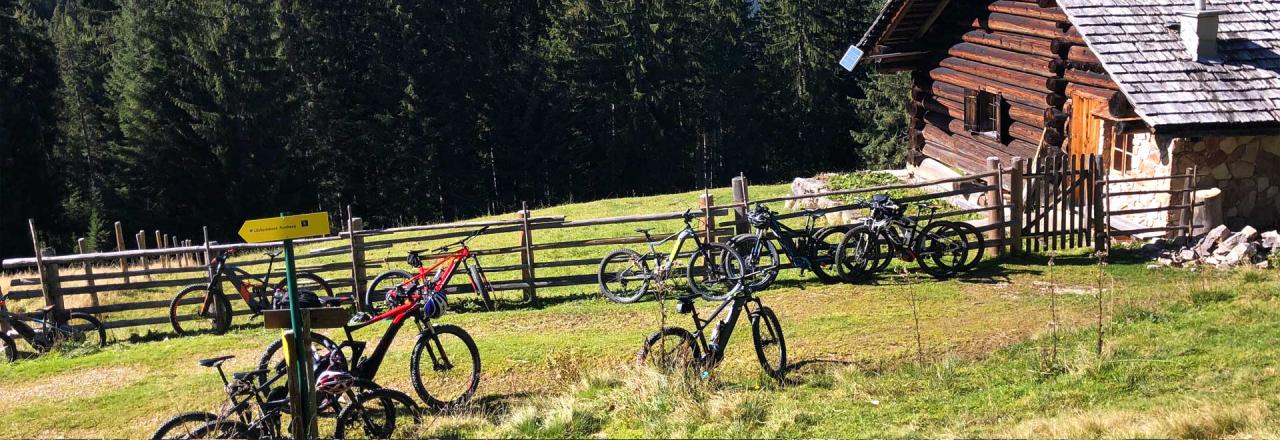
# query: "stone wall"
1245 168
1147 162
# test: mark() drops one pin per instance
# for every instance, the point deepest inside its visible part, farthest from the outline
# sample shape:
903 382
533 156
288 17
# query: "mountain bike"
256 404
433 278
444 366
941 248
206 307
811 249
676 349
44 331
714 270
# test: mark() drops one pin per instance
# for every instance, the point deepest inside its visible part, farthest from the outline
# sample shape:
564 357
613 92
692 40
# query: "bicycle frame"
222 269
46 322
367 368
785 234
713 352
680 237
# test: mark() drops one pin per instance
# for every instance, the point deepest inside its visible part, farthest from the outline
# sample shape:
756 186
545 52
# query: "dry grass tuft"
1204 420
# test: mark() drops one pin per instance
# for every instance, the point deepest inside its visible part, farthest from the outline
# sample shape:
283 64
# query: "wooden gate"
1062 208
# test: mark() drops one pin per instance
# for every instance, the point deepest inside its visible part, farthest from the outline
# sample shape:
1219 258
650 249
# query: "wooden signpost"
297 338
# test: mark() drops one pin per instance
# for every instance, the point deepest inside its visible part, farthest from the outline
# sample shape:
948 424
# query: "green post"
302 415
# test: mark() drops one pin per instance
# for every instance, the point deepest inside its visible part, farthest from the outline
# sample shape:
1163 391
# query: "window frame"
984 113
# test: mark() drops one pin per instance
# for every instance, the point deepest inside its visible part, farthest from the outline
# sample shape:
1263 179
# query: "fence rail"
346 262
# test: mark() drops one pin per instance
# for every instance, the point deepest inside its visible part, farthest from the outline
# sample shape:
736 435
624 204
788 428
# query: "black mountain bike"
811 249
714 270
257 402
941 248
676 349
44 331
205 307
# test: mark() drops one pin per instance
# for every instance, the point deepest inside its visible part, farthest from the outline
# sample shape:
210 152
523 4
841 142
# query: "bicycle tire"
822 251
722 272
424 344
745 245
374 298
853 255
630 260
764 320
225 429
677 358
87 331
10 348
264 361
482 288
975 241
937 241
220 307
356 411
189 420
311 279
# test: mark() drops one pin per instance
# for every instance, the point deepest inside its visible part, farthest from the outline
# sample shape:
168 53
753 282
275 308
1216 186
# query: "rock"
1153 266
1211 260
1241 170
1270 240
1187 255
1240 253
1165 261
804 186
1264 264
1221 172
1211 239
1246 234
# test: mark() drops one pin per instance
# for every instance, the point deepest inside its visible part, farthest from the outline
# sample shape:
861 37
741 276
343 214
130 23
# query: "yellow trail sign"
285 228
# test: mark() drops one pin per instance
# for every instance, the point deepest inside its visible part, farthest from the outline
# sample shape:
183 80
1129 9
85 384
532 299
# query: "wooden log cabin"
1154 87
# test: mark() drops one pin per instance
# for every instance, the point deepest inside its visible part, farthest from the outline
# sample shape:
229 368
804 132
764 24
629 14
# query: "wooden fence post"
142 246
740 198
1101 226
1016 205
48 274
88 278
995 199
354 225
208 253
1190 187
124 262
706 201
526 254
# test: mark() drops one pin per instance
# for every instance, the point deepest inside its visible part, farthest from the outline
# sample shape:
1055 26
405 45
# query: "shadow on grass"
492 407
808 367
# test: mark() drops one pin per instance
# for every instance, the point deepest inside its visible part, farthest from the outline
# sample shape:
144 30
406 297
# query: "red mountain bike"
444 366
432 279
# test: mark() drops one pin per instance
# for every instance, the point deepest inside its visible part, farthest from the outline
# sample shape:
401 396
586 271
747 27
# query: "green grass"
1186 354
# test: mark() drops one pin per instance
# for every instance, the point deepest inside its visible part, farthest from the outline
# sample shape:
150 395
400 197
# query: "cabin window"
983 113
1120 151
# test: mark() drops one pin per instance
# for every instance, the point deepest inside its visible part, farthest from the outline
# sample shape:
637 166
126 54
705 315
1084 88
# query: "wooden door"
1086 128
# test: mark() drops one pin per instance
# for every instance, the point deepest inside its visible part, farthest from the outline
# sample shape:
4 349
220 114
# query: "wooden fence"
349 266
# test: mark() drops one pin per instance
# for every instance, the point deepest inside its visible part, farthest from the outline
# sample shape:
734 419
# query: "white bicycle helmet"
334 382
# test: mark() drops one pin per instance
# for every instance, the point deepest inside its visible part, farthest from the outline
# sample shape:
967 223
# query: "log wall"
1028 53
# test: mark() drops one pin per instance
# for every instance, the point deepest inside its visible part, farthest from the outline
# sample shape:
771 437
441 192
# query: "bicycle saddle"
813 213
43 310
644 230
250 374
213 362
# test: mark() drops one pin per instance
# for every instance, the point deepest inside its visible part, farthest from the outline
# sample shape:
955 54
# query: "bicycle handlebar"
446 247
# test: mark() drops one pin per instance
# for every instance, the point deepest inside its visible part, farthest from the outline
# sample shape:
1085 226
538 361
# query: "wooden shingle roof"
1135 44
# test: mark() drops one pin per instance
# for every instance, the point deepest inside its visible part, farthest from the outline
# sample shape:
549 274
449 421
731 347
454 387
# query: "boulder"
1211 239
1246 234
1241 253
1264 264
1270 240
1187 255
804 186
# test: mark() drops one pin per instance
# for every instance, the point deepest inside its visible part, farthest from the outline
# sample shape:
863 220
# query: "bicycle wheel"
373 414
309 282
854 254
374 299
183 426
445 367
273 358
882 253
225 429
482 287
624 276
760 262
669 350
715 272
822 253
8 348
83 328
771 347
186 316
974 240
942 251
